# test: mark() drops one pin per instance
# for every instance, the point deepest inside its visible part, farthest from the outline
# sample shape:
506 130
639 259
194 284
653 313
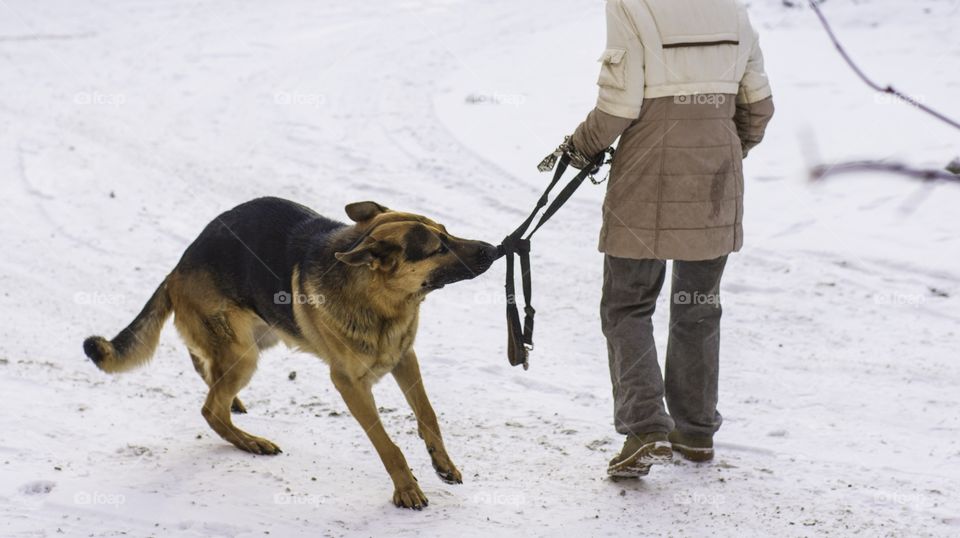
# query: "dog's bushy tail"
134 346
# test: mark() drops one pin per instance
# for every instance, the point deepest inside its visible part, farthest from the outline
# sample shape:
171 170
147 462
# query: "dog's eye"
442 250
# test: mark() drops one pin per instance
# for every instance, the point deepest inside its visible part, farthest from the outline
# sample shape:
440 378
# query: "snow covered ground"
126 126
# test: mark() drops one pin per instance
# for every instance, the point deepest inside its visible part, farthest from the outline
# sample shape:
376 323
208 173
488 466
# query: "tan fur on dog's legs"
359 399
224 353
407 375
200 366
231 372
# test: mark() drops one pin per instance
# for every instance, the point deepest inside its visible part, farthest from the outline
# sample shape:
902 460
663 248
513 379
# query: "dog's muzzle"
470 263
489 254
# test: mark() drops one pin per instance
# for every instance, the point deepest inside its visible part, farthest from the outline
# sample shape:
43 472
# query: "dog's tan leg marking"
359 399
203 369
232 369
407 374
222 342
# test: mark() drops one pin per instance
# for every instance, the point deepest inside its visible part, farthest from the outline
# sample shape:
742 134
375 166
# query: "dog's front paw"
448 472
410 496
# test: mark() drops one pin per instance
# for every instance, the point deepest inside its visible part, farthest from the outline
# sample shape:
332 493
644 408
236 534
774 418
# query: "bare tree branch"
822 171
888 89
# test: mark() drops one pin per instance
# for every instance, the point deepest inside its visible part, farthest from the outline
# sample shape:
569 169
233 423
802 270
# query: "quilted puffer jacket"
683 82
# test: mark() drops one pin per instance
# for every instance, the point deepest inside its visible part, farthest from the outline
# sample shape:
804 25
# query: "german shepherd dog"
271 270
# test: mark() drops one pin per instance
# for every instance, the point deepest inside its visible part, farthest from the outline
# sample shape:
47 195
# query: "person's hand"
577 159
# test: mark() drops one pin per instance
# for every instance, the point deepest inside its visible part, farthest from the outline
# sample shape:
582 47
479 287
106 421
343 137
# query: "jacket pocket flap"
612 56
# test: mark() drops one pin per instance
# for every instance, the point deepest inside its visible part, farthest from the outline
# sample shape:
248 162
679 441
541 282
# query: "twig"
888 89
821 171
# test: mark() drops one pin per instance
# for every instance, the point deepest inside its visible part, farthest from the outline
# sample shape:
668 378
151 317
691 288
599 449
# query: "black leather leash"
520 338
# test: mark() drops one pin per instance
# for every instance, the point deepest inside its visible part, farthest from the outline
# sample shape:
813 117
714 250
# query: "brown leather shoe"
697 448
638 454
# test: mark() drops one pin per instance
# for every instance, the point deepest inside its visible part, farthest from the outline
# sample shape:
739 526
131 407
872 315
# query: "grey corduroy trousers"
689 383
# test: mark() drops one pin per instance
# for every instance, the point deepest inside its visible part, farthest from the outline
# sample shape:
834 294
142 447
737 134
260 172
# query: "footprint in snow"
37 487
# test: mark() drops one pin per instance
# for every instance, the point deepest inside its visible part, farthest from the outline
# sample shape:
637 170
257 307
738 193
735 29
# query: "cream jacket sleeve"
754 100
621 72
621 85
754 86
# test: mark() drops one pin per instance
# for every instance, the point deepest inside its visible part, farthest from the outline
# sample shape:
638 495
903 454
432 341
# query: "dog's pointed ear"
361 255
362 211
372 253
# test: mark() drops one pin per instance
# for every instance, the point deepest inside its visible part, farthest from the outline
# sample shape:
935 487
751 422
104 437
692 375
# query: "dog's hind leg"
238 407
234 361
202 367
407 374
359 399
198 305
264 338
223 343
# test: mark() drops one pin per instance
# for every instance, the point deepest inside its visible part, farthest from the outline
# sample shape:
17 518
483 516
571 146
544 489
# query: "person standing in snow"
682 84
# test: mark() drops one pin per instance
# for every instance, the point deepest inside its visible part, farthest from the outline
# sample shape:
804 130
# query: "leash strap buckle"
604 158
